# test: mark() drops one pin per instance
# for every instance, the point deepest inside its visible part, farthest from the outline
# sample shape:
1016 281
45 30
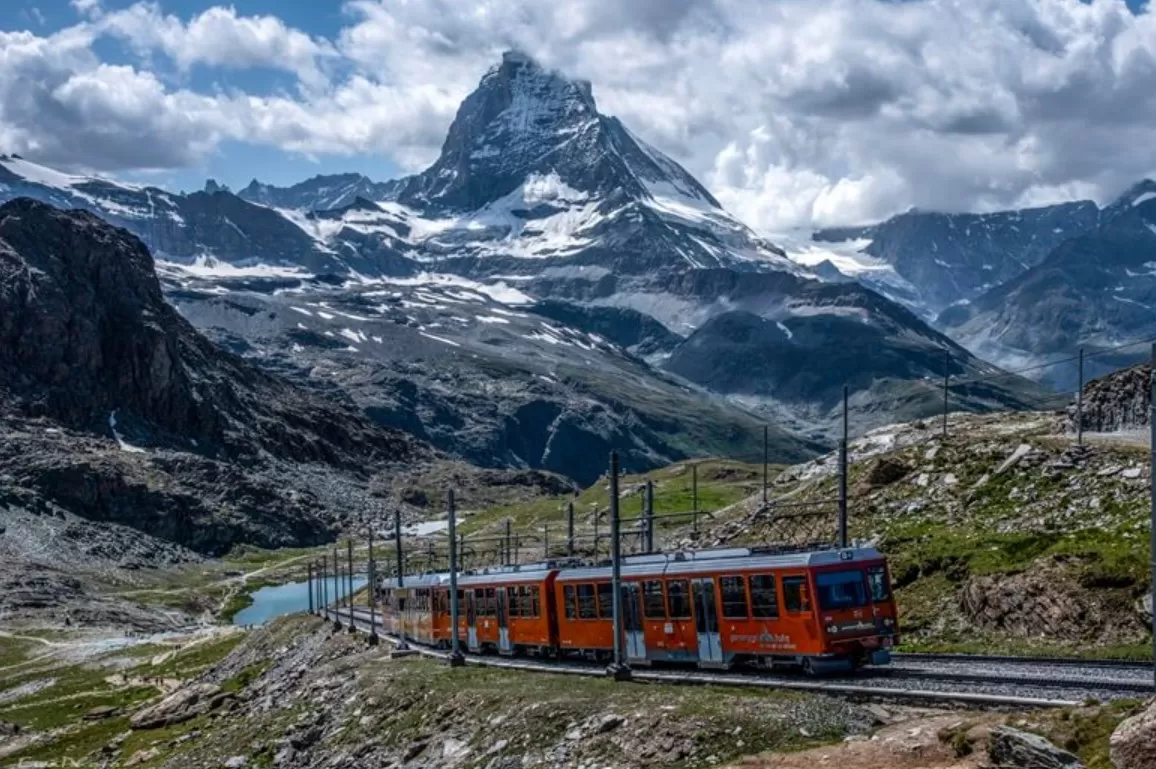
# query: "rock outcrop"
1119 401
1133 744
87 339
1013 749
182 705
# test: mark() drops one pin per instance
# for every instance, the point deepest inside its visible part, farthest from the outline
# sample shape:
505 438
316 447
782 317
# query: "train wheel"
809 667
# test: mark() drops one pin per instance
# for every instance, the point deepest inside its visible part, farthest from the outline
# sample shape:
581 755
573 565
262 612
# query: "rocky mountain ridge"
1096 290
945 259
116 409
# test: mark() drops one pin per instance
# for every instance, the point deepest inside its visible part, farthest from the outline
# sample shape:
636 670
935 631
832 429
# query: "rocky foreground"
301 694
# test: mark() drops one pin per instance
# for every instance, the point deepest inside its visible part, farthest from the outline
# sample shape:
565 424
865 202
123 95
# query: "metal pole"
545 542
618 668
349 597
506 555
324 587
694 499
843 475
336 588
694 488
946 377
650 516
570 529
401 644
456 658
1152 490
766 461
309 582
595 533
372 601
1080 403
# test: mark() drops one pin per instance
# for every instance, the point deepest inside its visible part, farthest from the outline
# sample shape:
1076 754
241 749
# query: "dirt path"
909 745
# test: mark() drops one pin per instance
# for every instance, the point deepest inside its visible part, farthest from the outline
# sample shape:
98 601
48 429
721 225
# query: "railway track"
942 679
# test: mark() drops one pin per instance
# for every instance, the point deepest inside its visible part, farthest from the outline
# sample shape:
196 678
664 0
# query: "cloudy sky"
793 112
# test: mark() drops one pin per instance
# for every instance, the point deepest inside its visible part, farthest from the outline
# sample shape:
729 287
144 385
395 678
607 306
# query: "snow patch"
124 445
440 339
1143 198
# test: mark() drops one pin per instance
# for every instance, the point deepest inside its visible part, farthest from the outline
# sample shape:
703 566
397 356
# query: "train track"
943 679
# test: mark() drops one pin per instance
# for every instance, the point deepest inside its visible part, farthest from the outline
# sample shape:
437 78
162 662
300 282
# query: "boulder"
180 706
887 470
1013 749
1133 744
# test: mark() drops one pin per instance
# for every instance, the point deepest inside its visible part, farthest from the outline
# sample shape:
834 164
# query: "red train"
827 610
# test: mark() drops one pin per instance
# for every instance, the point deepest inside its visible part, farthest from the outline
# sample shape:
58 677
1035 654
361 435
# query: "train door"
472 622
706 622
799 612
632 622
504 646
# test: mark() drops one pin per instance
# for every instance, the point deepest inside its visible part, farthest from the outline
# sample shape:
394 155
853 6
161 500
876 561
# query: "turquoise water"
279 600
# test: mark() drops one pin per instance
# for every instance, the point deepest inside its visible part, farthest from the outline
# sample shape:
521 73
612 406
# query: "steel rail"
708 678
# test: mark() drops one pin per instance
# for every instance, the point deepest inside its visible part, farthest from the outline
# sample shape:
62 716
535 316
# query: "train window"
491 602
841 589
605 600
586 607
734 597
480 601
568 598
513 606
535 602
880 585
764 598
653 605
795 594
678 598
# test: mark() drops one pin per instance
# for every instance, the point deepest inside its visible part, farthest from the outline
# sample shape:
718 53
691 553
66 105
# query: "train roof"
653 564
689 564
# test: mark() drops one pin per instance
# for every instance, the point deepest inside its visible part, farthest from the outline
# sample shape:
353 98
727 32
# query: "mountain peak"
525 121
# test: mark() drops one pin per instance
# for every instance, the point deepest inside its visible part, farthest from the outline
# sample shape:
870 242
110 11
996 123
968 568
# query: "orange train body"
823 610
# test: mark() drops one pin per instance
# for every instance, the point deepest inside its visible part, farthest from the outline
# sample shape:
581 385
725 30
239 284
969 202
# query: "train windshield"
841 589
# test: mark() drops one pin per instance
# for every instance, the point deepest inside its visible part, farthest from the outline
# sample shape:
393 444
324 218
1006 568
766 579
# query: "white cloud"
86 7
218 37
792 111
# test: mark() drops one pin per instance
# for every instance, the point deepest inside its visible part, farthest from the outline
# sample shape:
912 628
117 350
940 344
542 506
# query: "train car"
825 610
509 609
415 608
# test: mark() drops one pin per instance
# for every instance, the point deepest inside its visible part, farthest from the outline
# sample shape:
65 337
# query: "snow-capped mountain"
1097 290
930 261
321 193
550 288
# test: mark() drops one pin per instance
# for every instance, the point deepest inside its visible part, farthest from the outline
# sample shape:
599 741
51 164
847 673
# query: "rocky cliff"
1120 401
116 409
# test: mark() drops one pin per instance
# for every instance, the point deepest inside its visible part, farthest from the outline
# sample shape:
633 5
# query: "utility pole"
1080 404
843 474
456 658
336 588
349 574
1152 490
766 459
596 534
372 568
618 669
324 587
946 378
401 602
570 529
506 555
694 491
649 516
545 542
309 582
